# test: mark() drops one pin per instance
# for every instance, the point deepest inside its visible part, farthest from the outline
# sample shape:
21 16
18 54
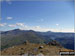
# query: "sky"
56 16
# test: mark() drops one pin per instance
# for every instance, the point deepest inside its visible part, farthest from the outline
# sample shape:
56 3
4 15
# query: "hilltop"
34 49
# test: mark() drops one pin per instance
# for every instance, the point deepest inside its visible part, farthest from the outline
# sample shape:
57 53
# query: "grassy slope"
30 48
11 40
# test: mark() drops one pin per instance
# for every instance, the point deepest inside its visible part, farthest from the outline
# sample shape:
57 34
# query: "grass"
34 49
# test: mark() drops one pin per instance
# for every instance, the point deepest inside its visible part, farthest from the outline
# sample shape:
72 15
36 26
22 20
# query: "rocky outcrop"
54 43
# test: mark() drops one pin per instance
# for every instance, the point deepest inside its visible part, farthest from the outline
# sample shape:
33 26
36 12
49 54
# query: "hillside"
33 49
16 37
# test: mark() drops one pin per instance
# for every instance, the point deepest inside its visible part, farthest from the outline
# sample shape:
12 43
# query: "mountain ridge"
17 36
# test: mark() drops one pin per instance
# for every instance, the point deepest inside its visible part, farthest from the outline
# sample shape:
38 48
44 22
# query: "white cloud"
9 18
17 24
38 28
2 24
35 28
57 24
67 30
20 24
12 25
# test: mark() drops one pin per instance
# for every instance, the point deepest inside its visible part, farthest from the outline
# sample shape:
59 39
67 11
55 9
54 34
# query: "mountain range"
16 37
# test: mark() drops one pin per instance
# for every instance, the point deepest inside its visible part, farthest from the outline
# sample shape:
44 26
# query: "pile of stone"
54 43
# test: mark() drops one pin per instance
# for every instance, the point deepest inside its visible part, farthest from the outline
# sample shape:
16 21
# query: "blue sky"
38 15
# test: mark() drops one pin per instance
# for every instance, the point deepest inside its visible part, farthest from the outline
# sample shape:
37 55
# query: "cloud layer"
22 26
12 25
3 24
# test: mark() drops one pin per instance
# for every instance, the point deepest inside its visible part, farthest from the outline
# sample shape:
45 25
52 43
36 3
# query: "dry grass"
34 49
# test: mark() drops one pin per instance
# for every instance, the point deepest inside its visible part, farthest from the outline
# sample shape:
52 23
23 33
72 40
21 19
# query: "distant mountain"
17 36
65 39
66 42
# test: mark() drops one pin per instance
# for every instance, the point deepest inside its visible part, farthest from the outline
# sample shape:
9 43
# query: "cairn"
26 42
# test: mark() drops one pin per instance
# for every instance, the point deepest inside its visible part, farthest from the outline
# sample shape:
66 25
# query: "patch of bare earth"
33 49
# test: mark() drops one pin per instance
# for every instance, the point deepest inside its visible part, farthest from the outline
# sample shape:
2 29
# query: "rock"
54 43
26 42
41 47
40 54
35 49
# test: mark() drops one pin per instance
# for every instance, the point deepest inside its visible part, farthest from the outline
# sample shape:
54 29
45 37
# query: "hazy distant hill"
66 42
17 36
65 39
